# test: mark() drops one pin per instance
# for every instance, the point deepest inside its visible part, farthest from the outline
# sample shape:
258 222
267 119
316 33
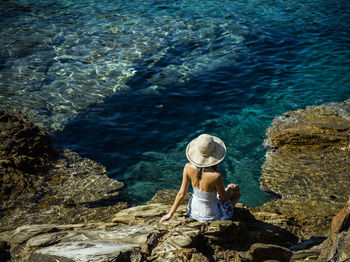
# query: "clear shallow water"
130 83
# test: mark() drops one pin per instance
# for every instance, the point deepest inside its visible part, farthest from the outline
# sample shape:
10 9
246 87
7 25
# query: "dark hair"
200 170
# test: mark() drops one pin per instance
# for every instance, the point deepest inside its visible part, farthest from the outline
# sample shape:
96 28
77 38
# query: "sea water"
131 83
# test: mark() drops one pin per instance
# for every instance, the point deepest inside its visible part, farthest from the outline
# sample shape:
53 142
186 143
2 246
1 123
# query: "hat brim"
213 159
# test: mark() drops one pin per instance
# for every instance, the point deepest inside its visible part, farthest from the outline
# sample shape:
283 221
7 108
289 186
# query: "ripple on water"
68 64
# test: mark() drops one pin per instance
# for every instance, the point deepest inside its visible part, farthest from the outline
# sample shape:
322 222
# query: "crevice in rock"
203 247
272 195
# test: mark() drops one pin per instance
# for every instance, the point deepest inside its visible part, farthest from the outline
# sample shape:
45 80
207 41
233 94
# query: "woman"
210 200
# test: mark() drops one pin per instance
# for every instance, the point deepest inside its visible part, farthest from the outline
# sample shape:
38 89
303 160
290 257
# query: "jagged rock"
167 196
81 242
337 246
49 187
222 237
23 145
308 166
262 252
5 252
76 190
135 234
25 150
310 255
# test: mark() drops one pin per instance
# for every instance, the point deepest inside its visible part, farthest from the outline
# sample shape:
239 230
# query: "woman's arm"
221 188
180 195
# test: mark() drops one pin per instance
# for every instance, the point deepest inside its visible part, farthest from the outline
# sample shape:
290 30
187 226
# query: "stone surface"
167 196
5 252
308 166
75 190
217 240
23 145
58 219
310 255
25 152
337 246
49 187
84 242
262 252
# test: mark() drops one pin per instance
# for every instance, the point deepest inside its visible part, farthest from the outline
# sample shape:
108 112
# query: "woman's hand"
165 217
233 187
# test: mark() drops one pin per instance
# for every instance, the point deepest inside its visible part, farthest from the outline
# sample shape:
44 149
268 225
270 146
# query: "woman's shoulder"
215 175
190 165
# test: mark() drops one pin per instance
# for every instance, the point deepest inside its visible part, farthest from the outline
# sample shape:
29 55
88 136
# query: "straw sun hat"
206 150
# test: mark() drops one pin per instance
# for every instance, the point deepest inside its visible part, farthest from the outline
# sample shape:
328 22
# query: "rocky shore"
58 206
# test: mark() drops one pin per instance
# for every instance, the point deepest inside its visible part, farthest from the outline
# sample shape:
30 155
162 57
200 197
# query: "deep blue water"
130 83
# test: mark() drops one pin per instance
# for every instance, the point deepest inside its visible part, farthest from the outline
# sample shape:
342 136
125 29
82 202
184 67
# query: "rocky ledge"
67 209
308 166
134 234
39 185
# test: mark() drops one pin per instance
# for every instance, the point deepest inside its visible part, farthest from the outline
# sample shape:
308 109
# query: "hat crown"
205 145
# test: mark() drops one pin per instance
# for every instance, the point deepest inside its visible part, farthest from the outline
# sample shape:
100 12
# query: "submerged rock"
308 166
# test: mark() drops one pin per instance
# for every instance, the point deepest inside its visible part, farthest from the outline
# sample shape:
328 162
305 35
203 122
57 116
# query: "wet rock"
308 165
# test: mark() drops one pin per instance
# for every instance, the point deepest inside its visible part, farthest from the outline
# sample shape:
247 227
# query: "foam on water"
130 83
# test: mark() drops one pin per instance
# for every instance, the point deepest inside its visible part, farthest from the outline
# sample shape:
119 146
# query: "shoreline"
54 199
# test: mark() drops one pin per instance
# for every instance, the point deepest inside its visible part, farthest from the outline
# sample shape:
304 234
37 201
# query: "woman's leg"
234 193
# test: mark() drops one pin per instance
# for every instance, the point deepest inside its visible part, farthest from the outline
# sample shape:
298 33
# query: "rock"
341 222
84 242
71 212
39 185
167 196
225 238
308 166
262 252
76 190
337 246
5 252
25 151
23 146
310 255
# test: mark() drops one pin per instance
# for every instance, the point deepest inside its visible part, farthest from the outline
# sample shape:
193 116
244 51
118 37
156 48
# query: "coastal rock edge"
58 219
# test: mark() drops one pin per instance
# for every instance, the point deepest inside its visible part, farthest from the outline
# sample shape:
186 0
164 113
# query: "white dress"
207 206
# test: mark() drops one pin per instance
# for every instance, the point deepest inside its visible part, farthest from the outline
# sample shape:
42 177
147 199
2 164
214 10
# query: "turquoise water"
130 83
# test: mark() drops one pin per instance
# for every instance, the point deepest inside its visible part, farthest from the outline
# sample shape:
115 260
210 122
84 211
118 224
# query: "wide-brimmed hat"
206 150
